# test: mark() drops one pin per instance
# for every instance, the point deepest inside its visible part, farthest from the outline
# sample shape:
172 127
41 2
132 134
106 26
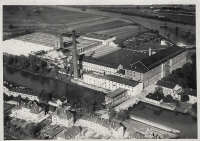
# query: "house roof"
106 123
70 133
20 89
63 113
34 108
98 36
116 92
98 61
121 71
190 91
121 80
166 84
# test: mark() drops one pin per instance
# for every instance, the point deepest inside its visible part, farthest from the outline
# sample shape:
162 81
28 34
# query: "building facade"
28 111
63 117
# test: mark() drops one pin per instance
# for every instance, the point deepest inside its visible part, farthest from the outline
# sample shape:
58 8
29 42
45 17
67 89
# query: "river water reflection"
50 85
186 124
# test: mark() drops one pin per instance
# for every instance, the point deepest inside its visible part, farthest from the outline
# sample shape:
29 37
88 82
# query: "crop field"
92 23
122 32
103 26
25 16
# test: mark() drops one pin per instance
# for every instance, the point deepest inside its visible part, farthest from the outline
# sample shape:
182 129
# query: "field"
23 17
103 26
122 32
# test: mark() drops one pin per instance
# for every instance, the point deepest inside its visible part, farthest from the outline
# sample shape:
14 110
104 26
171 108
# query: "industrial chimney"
149 51
58 42
75 65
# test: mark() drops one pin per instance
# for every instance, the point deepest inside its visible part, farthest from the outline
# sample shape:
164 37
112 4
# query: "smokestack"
75 65
149 51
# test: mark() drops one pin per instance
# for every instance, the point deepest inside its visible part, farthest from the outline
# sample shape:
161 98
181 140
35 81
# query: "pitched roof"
116 92
121 80
166 84
121 71
99 121
63 113
34 108
98 61
70 133
106 123
155 60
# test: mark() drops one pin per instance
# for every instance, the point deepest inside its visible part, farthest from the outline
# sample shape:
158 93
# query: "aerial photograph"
99 72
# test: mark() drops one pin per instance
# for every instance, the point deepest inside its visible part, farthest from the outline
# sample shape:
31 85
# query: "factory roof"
155 60
166 84
99 62
98 36
121 80
116 92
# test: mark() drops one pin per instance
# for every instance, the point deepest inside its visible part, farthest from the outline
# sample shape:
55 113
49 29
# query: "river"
186 124
58 87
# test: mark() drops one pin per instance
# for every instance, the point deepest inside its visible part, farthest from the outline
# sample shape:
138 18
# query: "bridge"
129 103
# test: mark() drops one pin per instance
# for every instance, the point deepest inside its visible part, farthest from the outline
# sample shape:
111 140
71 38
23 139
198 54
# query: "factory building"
105 39
58 42
112 82
148 70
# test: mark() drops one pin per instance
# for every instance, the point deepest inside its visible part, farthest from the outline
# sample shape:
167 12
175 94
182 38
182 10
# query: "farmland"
103 26
122 32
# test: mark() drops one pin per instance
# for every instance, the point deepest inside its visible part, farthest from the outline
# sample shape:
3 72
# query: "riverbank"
57 87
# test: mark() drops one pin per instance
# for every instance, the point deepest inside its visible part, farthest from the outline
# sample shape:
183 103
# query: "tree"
168 35
19 98
11 26
185 98
122 115
52 108
111 112
194 107
44 96
5 97
176 30
138 7
34 68
168 99
23 61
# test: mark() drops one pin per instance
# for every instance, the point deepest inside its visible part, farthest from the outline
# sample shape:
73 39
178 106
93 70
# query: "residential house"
72 133
63 117
170 88
28 111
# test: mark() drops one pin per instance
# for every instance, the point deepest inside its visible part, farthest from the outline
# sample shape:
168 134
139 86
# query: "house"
72 133
170 88
101 126
55 102
28 111
192 93
63 117
15 90
63 71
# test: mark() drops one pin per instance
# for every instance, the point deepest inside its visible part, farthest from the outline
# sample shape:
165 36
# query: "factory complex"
96 60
